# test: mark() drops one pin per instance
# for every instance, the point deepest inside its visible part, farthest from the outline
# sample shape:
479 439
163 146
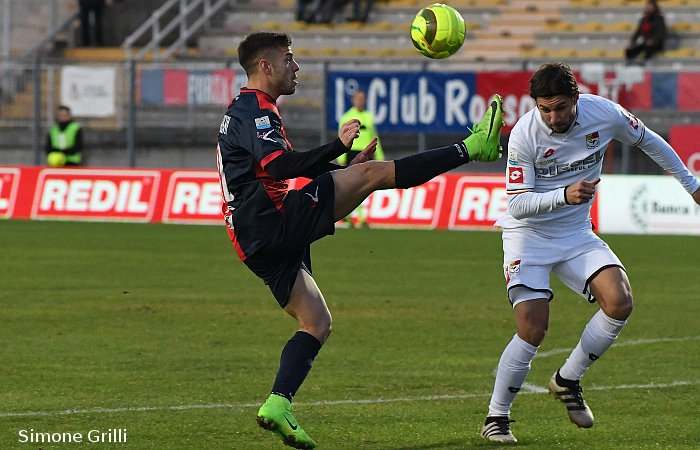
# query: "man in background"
367 133
64 145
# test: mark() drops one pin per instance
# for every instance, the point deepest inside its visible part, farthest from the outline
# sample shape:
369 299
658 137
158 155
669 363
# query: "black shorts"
307 217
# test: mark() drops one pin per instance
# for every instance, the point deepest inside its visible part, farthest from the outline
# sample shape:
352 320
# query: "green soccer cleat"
276 415
484 144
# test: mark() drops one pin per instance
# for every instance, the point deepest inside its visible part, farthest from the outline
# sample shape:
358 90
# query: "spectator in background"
64 146
301 14
324 10
367 134
360 14
650 34
86 8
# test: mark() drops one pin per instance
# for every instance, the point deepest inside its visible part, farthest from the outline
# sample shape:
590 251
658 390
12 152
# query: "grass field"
160 330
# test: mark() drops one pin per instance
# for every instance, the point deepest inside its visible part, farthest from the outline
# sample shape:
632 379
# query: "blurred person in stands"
650 35
92 8
64 144
324 11
555 157
301 14
361 14
367 133
272 226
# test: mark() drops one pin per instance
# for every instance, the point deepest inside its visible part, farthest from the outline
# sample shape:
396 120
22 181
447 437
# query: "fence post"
36 128
131 119
324 103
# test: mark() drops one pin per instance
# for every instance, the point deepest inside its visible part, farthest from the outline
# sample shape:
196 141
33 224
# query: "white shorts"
529 258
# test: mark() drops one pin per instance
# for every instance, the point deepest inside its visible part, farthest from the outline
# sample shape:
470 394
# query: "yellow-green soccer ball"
56 159
438 31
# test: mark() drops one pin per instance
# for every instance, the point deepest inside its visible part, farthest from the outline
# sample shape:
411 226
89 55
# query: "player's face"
284 71
558 112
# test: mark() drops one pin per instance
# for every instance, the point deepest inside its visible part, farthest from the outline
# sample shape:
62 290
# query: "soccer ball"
56 159
438 31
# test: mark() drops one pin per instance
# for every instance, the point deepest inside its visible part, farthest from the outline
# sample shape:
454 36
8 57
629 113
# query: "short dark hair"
251 49
553 79
63 108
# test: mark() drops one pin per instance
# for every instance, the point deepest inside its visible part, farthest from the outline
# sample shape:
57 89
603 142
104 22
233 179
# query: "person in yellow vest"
64 146
367 133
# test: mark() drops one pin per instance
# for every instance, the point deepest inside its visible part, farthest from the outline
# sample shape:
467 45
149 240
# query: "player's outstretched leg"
497 429
484 144
571 395
276 415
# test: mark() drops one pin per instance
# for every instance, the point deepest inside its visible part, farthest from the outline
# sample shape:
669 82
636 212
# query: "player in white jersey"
555 155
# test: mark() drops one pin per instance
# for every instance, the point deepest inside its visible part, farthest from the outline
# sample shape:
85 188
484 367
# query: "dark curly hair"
553 79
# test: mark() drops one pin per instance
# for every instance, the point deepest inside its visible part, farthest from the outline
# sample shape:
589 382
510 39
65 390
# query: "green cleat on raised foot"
484 144
276 415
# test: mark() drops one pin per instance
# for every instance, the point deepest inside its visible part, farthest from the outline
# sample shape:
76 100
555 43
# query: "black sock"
295 362
416 169
564 382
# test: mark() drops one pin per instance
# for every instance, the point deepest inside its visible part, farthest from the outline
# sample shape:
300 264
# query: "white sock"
512 371
600 333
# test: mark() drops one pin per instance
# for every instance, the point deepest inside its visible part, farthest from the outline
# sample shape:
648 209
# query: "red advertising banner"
685 140
450 201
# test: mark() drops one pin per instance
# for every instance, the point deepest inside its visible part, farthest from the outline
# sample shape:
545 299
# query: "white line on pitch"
69 412
559 351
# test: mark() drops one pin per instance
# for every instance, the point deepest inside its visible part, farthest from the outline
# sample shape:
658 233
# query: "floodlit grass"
160 330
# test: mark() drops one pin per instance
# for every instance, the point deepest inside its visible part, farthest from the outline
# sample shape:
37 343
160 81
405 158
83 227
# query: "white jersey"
542 163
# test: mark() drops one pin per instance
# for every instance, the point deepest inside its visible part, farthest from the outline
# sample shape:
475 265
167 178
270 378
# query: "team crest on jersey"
592 140
514 266
262 123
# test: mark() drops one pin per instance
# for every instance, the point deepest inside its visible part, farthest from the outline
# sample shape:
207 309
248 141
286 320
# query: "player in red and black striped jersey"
272 226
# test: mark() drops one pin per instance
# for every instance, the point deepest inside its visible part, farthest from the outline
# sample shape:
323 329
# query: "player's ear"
265 66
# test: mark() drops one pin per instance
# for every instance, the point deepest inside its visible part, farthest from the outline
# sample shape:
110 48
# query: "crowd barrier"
624 204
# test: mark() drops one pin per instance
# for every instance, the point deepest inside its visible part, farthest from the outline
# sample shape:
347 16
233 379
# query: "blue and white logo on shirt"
262 123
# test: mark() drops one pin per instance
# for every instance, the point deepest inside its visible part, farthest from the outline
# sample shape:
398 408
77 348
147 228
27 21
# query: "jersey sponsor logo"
592 140
266 136
581 164
549 153
223 128
515 175
262 123
546 162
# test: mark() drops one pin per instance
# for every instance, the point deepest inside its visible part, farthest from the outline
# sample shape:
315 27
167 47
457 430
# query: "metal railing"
183 9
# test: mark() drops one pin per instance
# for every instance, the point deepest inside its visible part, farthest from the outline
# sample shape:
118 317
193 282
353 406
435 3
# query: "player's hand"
696 196
349 131
366 154
580 192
